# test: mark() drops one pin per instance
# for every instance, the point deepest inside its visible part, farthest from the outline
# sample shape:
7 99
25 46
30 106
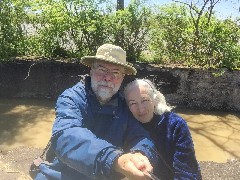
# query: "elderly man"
94 135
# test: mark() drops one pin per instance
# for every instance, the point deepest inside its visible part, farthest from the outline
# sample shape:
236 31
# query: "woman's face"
140 103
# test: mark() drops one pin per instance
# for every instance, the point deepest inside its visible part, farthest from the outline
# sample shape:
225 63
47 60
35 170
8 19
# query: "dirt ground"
15 164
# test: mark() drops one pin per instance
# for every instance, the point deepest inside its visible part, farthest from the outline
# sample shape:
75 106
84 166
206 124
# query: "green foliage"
224 44
175 39
130 29
171 35
12 38
74 28
88 29
77 27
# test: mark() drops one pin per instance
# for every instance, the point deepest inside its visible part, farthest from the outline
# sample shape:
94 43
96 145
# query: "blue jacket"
88 137
172 137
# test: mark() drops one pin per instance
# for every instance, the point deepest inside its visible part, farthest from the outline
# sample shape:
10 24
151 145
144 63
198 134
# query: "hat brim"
88 60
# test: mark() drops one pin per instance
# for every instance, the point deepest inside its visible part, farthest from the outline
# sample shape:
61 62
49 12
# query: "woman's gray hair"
156 96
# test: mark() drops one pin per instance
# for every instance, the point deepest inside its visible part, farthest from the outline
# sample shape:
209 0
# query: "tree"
195 36
120 4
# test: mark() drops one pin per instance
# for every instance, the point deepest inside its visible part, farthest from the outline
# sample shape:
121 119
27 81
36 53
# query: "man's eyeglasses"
102 71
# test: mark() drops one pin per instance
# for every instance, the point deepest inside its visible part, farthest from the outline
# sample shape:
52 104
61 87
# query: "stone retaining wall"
192 88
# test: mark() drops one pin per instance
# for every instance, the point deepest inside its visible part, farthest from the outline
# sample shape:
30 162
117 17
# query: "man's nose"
108 76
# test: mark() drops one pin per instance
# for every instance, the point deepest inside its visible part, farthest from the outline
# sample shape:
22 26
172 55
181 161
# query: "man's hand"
134 166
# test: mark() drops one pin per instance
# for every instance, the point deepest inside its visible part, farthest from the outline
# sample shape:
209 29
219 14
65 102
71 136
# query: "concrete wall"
193 88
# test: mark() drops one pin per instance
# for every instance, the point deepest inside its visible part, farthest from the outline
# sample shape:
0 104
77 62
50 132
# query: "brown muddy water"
28 122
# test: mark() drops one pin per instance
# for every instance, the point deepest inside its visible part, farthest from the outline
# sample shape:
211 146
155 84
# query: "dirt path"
15 164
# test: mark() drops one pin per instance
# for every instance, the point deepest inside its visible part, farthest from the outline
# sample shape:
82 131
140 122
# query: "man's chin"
104 96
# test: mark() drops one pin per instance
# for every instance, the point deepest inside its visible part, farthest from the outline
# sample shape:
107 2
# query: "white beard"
104 94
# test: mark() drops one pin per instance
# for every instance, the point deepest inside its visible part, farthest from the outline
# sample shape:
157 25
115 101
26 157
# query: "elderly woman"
168 130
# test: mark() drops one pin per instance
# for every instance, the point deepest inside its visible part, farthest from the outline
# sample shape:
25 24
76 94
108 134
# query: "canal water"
28 122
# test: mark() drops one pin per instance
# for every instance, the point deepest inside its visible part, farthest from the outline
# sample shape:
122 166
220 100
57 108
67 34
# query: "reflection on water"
216 135
25 122
28 122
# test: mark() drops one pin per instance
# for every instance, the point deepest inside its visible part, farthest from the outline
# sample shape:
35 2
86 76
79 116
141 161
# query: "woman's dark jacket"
172 137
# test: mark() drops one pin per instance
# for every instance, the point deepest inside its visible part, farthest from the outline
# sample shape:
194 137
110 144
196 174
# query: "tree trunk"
120 4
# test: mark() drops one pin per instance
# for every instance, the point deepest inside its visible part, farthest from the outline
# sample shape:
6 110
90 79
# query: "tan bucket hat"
112 54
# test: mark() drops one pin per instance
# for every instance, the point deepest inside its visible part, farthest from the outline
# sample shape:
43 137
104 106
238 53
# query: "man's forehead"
109 65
